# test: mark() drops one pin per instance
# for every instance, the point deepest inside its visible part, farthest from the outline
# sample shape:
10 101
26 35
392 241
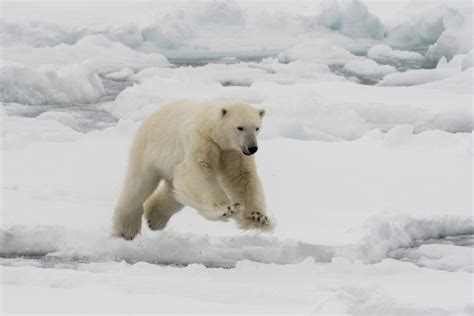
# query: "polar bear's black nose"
253 150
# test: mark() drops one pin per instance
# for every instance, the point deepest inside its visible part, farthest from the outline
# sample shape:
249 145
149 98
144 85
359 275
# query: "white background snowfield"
366 156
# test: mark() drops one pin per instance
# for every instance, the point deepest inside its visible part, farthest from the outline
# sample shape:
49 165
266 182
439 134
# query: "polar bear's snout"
253 150
250 146
250 150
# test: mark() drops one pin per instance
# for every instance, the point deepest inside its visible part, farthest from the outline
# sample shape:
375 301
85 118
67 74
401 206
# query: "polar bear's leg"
196 185
129 210
160 206
241 181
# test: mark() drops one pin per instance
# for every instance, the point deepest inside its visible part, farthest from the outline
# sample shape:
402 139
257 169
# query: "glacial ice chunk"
70 84
385 53
351 18
368 67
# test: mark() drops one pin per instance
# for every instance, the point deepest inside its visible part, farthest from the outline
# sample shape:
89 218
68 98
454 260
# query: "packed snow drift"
365 157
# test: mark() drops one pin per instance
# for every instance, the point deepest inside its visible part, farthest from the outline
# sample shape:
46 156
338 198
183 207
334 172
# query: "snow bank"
68 74
213 30
303 99
456 38
437 29
139 101
326 49
399 135
158 86
37 33
385 234
163 248
460 83
434 256
351 18
442 71
209 29
418 29
468 61
415 77
385 53
70 84
176 29
96 53
64 118
368 68
121 75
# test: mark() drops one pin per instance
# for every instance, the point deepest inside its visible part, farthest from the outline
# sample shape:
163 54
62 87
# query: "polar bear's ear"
224 112
261 112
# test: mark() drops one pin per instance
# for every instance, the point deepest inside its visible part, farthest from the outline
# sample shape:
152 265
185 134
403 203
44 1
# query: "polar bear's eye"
257 129
240 128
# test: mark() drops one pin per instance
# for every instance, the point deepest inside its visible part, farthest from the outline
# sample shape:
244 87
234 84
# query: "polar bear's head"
240 126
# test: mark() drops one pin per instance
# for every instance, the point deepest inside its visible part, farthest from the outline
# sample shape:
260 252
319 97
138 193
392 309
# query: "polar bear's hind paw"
157 220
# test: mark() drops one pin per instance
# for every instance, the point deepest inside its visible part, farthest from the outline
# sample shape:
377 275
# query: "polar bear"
197 154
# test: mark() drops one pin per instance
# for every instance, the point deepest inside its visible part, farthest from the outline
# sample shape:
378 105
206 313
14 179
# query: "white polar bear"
198 154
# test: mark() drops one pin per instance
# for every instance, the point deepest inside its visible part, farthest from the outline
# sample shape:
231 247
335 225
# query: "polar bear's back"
163 134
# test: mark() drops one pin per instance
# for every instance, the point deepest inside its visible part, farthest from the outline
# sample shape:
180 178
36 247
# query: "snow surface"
386 53
368 67
366 156
457 66
300 105
337 246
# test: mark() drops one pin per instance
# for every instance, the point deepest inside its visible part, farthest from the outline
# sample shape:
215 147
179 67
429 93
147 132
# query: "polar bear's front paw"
258 218
221 212
129 234
127 228
231 210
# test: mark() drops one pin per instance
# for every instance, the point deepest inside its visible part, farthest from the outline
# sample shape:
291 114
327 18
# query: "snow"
468 60
306 109
94 52
447 257
415 77
319 51
121 75
67 74
102 156
460 83
444 70
48 86
418 28
399 135
365 156
456 38
368 67
243 28
351 18
72 255
15 134
119 287
386 53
